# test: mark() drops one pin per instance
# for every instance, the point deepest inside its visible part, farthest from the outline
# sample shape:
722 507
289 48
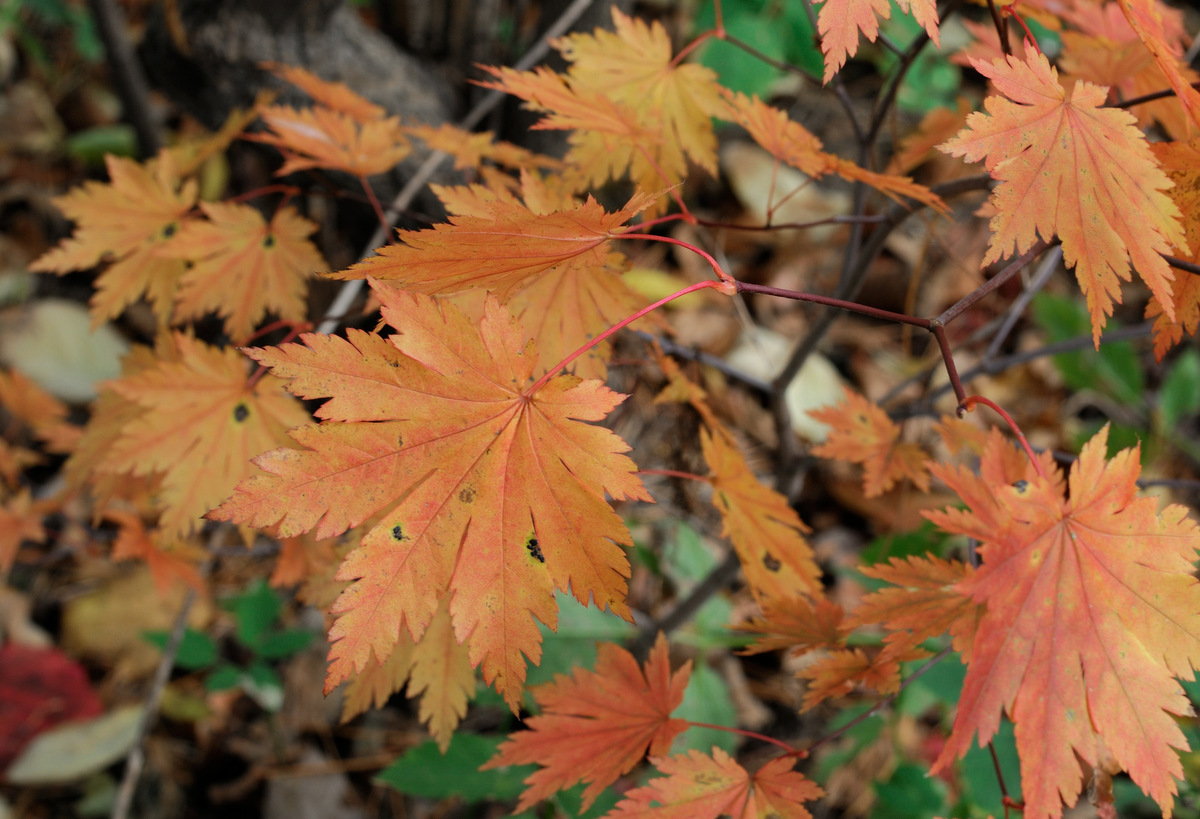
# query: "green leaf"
1114 371
255 610
706 700
284 643
425 771
197 650
224 678
925 539
1179 395
574 644
909 793
978 772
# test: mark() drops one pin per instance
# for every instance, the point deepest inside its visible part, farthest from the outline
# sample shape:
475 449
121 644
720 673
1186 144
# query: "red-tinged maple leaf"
1146 18
925 601
699 786
197 423
485 490
125 221
796 624
1181 162
595 726
502 250
167 567
243 266
766 532
792 143
861 432
840 21
1069 167
20 520
436 669
1092 610
935 127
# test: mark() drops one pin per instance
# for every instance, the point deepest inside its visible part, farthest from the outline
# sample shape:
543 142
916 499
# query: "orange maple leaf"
436 669
1067 166
1092 610
1146 18
861 432
20 520
840 672
471 148
335 95
197 423
766 532
243 266
167 566
699 786
499 246
125 221
925 602
840 21
796 624
792 143
486 490
1181 162
596 725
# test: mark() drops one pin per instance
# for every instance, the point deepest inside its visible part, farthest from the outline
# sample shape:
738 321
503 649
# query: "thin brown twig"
127 74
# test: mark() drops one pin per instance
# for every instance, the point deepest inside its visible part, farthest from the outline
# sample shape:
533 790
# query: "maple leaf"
334 95
840 21
840 672
126 221
500 251
698 786
1067 166
861 432
764 529
471 148
1092 609
436 669
198 423
595 726
1146 18
1181 162
167 566
792 143
796 624
45 415
243 266
20 520
925 602
631 106
485 490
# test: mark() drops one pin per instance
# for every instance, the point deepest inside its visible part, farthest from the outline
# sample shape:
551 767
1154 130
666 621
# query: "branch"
127 74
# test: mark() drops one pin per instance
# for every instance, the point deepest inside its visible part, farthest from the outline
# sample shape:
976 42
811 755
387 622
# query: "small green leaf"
224 678
255 610
1179 395
197 650
284 643
425 771
706 700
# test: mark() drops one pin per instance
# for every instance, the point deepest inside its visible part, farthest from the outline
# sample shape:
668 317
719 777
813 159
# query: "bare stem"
970 403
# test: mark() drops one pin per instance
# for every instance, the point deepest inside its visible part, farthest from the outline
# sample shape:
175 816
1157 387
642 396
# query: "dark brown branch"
127 74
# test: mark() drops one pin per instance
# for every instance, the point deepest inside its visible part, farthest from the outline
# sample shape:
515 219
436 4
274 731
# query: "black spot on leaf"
535 550
1021 486
467 494
398 532
240 413
771 563
269 241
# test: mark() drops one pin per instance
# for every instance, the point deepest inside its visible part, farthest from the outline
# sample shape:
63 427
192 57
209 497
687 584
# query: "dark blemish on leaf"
771 563
398 532
269 241
467 495
240 413
535 550
169 230
399 440
1021 486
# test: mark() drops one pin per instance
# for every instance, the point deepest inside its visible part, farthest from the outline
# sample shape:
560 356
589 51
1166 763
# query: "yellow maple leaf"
1070 167
196 422
861 432
766 532
243 266
840 21
1181 162
126 221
